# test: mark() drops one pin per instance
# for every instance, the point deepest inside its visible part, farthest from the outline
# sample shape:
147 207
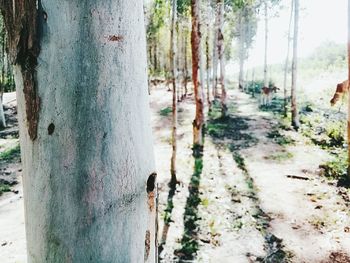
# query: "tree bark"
215 49
86 147
266 81
286 65
173 179
222 58
348 128
295 114
241 52
207 48
3 79
195 44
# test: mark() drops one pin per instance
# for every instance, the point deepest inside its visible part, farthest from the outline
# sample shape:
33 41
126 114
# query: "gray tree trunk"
295 113
221 51
266 81
175 93
88 166
286 66
241 52
215 49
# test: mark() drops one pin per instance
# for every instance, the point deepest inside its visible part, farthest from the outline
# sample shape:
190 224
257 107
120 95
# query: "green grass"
280 156
4 188
280 138
10 154
166 111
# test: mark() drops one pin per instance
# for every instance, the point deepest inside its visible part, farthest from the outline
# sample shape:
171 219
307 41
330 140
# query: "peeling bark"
21 21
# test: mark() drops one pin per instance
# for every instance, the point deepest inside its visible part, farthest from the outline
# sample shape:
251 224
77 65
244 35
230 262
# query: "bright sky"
320 20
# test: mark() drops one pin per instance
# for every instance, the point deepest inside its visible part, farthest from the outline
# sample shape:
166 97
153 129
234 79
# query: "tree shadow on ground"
232 132
189 241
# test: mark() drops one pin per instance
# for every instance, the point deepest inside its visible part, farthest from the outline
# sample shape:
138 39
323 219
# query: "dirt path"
251 197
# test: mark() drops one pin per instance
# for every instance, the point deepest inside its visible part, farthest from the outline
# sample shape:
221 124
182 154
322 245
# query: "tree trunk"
86 147
286 66
3 80
186 64
175 93
196 45
266 81
215 49
295 114
207 48
348 170
222 58
241 52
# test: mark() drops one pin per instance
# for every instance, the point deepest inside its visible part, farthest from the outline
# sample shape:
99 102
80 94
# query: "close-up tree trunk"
87 154
266 80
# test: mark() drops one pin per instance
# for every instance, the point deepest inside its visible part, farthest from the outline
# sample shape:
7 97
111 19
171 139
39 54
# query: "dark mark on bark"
151 181
21 22
116 38
147 244
51 129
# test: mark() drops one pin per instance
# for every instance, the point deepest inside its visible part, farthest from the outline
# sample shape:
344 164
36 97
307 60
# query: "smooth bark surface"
173 179
286 65
88 173
295 114
348 128
266 81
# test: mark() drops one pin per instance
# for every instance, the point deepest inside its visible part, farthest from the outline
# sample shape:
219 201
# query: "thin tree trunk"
186 64
207 48
348 170
241 52
222 58
86 148
266 81
196 45
295 114
173 71
286 66
3 81
215 49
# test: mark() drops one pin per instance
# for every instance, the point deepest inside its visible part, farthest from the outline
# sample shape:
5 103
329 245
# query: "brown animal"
266 93
342 88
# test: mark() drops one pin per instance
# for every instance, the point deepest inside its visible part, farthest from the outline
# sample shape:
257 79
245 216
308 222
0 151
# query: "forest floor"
255 193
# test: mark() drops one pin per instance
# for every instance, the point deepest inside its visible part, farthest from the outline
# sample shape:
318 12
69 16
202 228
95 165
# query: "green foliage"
337 168
10 154
183 7
4 188
280 138
166 111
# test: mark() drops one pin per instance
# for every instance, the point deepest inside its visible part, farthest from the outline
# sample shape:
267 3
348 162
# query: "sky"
320 20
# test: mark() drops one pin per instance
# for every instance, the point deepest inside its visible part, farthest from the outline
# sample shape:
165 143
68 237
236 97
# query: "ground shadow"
189 241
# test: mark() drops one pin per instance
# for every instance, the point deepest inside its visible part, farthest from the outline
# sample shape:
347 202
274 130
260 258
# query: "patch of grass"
10 154
4 188
280 138
337 168
205 202
166 111
280 156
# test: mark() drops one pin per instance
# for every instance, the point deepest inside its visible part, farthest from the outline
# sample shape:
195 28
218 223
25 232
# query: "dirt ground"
245 198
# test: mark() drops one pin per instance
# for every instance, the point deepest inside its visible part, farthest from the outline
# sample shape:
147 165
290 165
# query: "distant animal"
341 89
266 94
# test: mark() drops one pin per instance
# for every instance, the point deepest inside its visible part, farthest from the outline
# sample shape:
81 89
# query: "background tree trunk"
175 93
348 170
207 48
87 154
295 114
195 44
241 52
222 57
215 49
286 65
266 81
